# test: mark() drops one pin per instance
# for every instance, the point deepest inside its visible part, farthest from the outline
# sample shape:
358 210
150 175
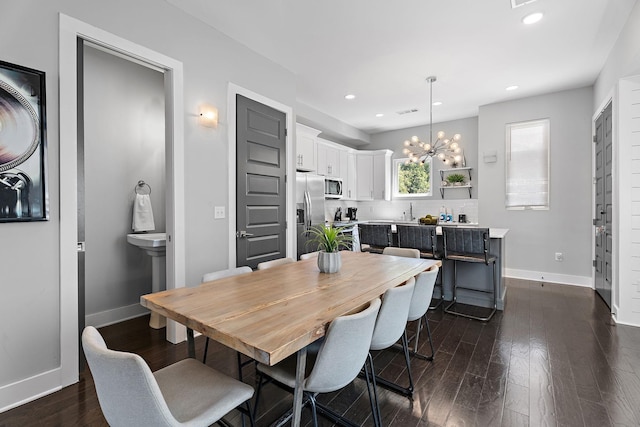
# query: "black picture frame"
23 147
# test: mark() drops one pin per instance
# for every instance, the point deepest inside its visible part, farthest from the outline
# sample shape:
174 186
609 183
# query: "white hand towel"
142 214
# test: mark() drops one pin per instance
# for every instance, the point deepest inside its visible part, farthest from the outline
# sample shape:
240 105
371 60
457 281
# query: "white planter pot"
329 262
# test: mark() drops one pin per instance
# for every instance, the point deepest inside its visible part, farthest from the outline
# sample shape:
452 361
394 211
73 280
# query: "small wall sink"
149 241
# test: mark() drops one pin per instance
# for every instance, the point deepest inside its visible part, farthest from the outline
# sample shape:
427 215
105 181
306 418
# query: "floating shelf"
446 172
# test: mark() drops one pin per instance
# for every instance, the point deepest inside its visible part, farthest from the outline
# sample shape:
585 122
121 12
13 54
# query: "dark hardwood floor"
552 358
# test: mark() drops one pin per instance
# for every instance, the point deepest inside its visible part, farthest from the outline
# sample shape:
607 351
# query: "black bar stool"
423 238
376 236
469 245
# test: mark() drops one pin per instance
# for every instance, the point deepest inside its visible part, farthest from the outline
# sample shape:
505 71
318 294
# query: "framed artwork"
23 187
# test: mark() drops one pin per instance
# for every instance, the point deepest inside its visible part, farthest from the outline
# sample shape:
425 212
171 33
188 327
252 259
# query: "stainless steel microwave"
332 188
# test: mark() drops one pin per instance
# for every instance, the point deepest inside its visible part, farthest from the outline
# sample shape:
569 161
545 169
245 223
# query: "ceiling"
382 51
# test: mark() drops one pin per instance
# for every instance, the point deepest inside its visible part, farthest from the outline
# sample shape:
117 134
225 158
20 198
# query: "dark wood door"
603 204
261 189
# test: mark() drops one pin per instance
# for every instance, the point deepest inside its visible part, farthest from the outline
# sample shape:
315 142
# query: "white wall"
535 236
124 143
30 251
618 79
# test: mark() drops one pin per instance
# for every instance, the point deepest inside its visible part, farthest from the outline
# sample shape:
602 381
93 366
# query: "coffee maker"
351 213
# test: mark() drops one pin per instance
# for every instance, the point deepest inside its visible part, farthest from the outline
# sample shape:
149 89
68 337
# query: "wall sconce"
208 116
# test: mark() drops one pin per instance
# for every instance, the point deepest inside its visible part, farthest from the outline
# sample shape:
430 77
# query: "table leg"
297 393
191 344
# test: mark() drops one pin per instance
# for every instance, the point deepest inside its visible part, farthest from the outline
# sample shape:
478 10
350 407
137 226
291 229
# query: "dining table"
275 313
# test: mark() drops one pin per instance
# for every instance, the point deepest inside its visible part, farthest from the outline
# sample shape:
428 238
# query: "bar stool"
424 239
469 245
376 236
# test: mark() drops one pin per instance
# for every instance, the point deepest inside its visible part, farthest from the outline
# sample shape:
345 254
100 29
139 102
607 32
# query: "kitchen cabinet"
328 159
374 175
444 173
306 139
348 174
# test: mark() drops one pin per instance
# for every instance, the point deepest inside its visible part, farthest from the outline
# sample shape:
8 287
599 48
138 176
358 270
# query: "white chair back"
274 262
392 319
208 277
127 390
309 255
344 350
422 293
403 252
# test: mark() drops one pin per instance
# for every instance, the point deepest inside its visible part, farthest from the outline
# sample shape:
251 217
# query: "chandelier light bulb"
458 158
407 143
446 141
415 139
427 147
454 145
406 151
441 156
457 137
441 134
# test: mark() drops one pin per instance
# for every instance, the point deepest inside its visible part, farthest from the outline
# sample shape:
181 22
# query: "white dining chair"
403 252
337 363
422 295
391 327
309 255
186 393
274 262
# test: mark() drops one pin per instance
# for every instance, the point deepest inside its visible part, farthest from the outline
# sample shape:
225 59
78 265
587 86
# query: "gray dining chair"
390 327
186 393
274 262
338 361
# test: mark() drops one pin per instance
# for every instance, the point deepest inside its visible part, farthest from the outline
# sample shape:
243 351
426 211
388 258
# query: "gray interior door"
261 189
603 204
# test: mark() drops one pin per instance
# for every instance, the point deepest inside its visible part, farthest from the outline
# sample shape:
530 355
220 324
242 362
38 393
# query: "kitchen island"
470 275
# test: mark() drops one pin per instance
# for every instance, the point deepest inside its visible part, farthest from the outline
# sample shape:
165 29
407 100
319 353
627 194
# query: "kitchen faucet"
411 217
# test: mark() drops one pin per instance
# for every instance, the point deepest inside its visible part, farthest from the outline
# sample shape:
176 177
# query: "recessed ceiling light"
350 96
532 18
435 104
379 115
514 87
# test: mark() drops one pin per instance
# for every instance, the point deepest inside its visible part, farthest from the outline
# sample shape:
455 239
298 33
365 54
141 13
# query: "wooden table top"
270 314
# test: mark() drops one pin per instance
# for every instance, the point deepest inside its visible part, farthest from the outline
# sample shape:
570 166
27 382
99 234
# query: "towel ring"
139 189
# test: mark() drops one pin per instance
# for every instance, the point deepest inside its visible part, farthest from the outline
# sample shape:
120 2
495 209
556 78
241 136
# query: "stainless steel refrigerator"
309 207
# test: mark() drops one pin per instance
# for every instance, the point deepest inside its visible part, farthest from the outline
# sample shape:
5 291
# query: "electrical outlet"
219 212
559 256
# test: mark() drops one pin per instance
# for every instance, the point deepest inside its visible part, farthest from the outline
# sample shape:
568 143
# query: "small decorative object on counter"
329 241
443 214
428 220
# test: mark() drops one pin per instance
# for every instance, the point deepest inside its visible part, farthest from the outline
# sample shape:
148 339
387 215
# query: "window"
527 165
411 179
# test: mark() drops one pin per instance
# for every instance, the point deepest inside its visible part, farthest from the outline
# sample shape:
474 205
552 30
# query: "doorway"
70 31
121 141
603 213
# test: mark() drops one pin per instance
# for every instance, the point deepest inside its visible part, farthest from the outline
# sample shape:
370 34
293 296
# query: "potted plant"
456 179
329 240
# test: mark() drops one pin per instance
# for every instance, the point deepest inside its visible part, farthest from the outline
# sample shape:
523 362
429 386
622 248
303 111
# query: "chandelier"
447 150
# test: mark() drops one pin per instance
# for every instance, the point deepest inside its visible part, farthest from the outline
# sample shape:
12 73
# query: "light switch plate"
219 212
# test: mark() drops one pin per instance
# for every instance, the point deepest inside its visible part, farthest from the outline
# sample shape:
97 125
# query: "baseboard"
29 389
116 315
564 279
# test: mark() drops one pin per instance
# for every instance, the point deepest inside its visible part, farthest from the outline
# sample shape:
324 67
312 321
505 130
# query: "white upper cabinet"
328 159
306 139
374 175
348 174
